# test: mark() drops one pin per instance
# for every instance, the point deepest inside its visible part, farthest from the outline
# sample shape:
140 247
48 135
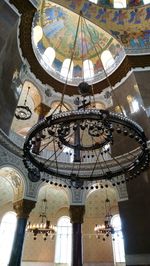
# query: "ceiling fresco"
58 30
129 26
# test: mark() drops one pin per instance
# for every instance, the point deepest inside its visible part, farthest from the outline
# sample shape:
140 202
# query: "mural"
129 26
59 31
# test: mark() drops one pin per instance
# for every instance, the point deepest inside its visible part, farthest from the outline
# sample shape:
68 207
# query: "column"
76 216
22 208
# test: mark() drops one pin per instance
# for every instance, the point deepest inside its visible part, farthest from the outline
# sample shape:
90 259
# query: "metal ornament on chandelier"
85 131
23 112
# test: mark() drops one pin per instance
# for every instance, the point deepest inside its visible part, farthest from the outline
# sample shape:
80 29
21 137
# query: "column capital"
23 207
77 213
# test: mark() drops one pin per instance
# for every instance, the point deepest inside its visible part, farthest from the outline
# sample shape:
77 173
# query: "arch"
34 92
95 201
7 231
13 178
55 104
37 34
107 60
33 100
49 56
120 4
118 243
63 240
88 69
58 195
65 69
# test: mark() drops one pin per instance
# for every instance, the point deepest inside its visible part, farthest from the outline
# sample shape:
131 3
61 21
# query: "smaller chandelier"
44 227
23 112
106 229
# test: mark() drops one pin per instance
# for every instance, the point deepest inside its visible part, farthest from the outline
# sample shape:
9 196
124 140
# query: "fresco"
129 26
59 31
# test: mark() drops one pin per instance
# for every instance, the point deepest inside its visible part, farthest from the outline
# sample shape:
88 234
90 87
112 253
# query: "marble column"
76 216
23 209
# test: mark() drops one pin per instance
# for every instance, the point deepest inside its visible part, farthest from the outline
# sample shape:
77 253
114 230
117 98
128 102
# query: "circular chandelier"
84 131
23 112
79 145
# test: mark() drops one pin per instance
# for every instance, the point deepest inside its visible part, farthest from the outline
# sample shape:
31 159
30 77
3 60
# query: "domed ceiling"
54 33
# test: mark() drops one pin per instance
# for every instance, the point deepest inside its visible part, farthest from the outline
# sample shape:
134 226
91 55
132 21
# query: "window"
93 1
63 241
49 56
133 104
107 60
65 69
120 4
37 34
146 2
7 231
88 69
118 243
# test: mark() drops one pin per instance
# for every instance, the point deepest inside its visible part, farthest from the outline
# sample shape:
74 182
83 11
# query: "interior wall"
10 62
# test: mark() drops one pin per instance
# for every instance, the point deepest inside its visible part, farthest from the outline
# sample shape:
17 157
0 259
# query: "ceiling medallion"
79 146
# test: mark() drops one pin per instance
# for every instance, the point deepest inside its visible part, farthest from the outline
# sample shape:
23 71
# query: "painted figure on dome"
147 13
75 4
90 11
101 16
119 17
85 9
135 16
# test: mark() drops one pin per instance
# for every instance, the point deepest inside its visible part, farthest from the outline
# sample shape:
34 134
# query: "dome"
76 53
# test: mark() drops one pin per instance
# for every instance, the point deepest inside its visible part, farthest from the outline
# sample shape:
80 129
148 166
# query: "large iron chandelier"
44 226
86 132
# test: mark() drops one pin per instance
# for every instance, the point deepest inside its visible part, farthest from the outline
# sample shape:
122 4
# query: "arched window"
37 34
63 241
133 104
65 68
118 243
93 1
146 2
88 69
7 231
107 60
49 56
120 4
